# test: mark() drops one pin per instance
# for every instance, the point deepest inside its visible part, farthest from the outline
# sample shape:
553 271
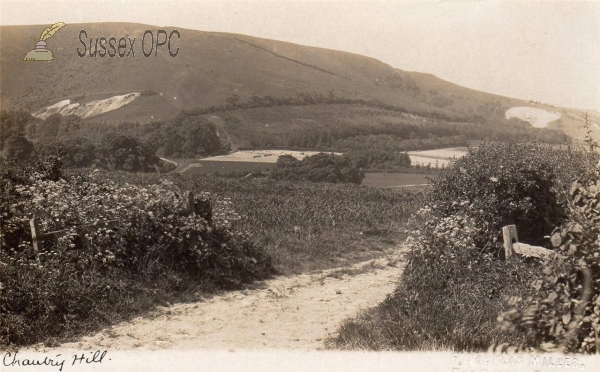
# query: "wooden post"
35 234
508 234
191 208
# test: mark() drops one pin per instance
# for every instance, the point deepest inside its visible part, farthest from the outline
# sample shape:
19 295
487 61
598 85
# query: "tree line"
125 146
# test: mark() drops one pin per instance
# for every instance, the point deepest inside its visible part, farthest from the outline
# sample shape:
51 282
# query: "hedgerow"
456 282
306 226
154 244
564 312
499 184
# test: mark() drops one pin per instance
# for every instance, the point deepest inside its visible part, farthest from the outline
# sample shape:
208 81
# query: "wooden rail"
512 246
37 235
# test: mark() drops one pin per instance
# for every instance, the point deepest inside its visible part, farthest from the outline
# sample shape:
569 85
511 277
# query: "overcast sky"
545 51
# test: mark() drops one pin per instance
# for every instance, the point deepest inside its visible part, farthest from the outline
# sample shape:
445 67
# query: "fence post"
35 234
190 201
508 234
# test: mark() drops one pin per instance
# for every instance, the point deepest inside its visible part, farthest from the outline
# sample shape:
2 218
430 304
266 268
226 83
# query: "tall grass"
456 283
158 255
307 226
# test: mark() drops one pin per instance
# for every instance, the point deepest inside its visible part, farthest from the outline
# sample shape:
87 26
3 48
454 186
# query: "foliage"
120 152
12 123
12 134
341 123
499 184
321 167
304 225
185 136
564 314
391 143
454 273
18 147
189 136
77 152
90 265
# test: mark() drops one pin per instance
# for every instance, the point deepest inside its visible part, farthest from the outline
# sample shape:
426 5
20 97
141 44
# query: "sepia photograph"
299 185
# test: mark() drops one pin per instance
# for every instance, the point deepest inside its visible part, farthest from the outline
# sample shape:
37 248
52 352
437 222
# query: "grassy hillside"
212 67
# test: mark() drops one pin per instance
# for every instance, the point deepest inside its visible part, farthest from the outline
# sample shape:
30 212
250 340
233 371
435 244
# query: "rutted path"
295 312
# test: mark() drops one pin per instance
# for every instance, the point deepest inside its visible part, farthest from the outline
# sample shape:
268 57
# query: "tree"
120 152
13 123
321 167
74 152
18 147
50 127
190 136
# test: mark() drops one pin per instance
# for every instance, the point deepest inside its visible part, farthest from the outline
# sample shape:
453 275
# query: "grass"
458 317
354 271
308 226
333 221
303 227
209 167
394 179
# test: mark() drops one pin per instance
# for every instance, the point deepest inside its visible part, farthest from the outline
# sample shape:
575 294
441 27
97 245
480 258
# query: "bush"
321 167
499 184
564 314
455 285
154 244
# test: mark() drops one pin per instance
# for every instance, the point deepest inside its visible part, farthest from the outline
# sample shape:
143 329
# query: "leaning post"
508 234
35 234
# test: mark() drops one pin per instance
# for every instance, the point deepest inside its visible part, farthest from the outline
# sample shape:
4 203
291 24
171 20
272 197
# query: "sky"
544 51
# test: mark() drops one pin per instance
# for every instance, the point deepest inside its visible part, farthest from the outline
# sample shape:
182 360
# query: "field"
225 167
261 156
437 158
247 161
308 226
395 179
243 161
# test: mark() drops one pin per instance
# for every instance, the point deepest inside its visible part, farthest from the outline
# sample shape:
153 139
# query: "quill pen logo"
40 53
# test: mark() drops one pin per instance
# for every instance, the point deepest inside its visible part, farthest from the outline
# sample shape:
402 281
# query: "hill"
211 67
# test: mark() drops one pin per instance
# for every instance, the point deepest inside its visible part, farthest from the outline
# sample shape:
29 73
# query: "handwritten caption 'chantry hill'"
59 361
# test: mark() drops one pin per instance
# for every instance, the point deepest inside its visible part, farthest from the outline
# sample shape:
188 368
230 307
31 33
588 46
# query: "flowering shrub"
500 184
110 235
455 284
565 312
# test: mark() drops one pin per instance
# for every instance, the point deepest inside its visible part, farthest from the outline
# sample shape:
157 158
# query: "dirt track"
296 312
